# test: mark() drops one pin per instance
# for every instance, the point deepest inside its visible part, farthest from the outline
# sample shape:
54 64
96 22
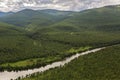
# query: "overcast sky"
73 5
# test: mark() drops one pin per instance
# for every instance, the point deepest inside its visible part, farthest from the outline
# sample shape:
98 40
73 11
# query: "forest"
33 38
102 65
48 47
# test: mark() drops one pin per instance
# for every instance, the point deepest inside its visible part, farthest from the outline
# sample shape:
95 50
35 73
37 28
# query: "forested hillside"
101 19
34 38
102 65
32 19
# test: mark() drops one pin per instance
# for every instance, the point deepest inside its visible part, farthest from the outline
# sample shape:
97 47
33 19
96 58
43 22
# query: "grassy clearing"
30 62
41 61
73 50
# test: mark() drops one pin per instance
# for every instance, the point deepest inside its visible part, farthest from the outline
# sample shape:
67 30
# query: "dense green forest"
47 45
34 38
102 65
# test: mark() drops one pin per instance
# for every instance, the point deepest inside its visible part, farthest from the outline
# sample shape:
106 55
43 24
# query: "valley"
20 74
31 39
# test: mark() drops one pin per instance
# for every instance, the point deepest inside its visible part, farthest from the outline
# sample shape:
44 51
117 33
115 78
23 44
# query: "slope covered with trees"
102 19
36 38
102 65
31 19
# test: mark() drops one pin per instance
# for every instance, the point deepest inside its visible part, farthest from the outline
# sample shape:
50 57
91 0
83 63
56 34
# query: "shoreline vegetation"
39 62
79 69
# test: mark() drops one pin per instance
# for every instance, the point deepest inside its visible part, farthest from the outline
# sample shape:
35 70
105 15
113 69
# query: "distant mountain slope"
100 18
2 14
9 29
32 18
103 19
56 12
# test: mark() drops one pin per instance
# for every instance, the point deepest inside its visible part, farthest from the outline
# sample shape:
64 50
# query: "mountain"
7 29
1 14
52 35
35 18
56 12
105 18
5 13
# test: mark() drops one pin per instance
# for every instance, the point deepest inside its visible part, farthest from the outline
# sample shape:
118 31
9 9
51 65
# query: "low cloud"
72 5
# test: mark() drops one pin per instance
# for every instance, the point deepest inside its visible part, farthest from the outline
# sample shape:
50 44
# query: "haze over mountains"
87 19
5 13
45 36
28 16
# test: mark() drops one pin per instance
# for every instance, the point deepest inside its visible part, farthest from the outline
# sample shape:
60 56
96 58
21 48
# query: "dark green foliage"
44 34
102 65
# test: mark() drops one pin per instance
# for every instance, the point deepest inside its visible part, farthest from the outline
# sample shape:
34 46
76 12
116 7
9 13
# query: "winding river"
13 75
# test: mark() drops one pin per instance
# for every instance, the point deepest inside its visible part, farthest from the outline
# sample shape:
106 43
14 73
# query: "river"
13 75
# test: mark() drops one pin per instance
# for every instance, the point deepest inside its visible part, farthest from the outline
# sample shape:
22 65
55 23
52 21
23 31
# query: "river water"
13 75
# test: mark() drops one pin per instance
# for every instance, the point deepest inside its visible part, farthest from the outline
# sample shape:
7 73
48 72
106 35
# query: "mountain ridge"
87 19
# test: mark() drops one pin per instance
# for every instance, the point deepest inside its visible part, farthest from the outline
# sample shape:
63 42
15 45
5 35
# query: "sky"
67 5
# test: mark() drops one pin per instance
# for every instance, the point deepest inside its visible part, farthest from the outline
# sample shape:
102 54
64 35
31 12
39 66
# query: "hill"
5 13
102 19
100 65
9 29
2 13
48 37
31 19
